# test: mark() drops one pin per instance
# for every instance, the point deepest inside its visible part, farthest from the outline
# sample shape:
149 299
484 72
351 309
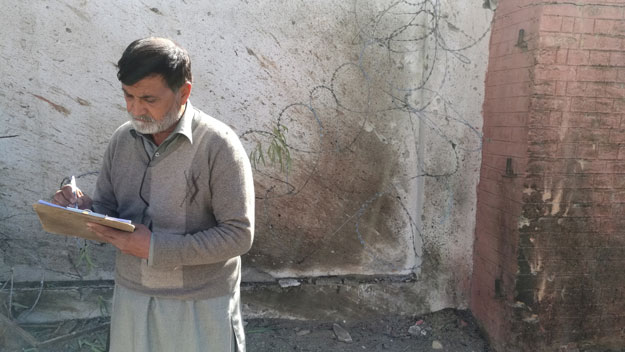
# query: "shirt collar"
183 127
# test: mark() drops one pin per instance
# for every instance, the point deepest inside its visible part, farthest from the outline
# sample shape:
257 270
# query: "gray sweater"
197 197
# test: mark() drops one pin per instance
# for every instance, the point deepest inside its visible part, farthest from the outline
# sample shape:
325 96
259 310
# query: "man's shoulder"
123 130
122 136
205 124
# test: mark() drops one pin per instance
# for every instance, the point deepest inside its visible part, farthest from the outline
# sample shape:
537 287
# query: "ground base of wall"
335 298
322 299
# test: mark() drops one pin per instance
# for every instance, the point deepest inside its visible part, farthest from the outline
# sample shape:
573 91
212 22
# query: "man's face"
152 106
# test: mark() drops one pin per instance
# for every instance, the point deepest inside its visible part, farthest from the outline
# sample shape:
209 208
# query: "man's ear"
185 92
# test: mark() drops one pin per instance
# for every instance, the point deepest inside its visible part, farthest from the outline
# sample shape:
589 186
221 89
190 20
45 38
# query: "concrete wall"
548 263
381 100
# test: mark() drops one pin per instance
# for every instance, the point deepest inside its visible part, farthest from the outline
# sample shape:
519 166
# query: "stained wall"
379 103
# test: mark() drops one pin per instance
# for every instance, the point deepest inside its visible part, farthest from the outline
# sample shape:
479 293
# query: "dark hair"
150 56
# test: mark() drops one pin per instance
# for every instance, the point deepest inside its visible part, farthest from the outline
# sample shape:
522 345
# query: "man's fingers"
104 232
65 197
68 194
99 229
98 232
136 243
84 202
60 198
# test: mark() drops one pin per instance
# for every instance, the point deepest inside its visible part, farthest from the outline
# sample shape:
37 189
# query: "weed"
104 310
85 255
277 152
95 346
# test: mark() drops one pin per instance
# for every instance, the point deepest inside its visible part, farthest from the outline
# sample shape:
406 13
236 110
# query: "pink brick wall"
550 242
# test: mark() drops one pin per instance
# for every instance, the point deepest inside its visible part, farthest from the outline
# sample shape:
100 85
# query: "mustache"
144 118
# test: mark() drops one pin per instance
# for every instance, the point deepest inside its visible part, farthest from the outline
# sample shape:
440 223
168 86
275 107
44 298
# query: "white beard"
147 125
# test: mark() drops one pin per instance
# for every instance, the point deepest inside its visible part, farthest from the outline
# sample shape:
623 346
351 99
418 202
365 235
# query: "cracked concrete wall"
380 99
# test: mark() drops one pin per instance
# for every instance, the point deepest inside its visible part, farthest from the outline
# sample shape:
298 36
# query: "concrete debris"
341 334
417 329
284 283
571 347
303 332
437 345
414 330
517 304
533 319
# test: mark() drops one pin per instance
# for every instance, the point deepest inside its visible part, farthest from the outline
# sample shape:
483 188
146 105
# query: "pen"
72 183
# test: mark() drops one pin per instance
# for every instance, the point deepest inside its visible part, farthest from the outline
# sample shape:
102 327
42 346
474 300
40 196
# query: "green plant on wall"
277 152
96 345
85 256
104 310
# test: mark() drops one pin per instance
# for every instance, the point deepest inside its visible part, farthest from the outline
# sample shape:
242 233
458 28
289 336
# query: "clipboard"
73 222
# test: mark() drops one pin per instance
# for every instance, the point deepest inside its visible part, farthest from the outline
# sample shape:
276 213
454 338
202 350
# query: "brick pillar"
549 260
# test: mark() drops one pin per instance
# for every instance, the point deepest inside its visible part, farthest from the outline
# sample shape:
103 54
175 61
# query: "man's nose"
135 107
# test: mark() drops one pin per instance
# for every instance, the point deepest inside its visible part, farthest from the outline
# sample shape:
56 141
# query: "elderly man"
184 179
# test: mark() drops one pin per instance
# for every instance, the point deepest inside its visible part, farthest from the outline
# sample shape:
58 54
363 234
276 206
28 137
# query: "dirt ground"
446 330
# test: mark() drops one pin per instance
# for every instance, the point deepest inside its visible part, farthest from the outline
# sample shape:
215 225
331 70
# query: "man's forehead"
153 84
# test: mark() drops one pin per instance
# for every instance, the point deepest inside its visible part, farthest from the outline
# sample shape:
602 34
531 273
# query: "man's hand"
135 243
65 197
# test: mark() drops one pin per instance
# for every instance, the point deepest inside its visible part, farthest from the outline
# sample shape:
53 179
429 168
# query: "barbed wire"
420 30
